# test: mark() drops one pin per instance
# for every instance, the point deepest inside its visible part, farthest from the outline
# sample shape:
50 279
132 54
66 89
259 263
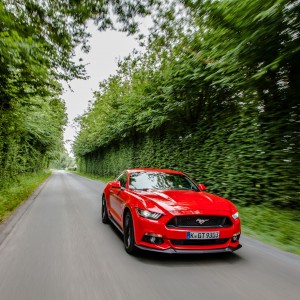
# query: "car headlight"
236 215
148 214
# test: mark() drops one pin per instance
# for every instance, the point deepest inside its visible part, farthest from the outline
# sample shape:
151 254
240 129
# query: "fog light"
152 238
236 237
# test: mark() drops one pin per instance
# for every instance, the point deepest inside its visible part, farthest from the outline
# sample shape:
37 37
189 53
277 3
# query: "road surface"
55 247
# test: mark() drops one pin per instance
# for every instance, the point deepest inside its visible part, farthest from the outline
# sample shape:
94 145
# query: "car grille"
199 242
199 222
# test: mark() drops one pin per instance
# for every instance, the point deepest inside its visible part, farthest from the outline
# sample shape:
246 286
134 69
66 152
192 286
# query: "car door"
117 199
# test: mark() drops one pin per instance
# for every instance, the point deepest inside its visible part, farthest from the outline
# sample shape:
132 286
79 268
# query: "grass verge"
273 226
14 193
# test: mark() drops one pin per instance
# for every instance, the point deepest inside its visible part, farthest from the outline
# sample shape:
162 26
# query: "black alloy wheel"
129 234
104 213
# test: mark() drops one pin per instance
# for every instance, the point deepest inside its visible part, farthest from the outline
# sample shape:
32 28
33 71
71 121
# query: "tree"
37 43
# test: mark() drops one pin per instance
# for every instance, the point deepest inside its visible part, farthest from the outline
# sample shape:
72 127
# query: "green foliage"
14 193
63 162
37 49
30 135
219 100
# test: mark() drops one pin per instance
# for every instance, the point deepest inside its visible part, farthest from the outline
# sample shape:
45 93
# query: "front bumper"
179 251
173 239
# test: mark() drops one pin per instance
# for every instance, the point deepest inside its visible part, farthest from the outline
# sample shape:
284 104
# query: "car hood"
183 202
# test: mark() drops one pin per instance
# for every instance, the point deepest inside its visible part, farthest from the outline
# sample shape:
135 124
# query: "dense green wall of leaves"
230 157
30 136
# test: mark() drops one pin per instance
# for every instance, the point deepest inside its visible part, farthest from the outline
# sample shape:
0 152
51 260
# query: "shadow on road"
187 259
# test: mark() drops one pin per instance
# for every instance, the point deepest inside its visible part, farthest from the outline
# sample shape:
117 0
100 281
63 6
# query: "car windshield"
160 181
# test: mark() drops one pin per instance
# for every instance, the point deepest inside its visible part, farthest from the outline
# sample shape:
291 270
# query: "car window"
122 178
160 181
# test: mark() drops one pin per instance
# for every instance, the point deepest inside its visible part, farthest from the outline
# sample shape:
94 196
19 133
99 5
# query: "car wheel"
129 234
104 213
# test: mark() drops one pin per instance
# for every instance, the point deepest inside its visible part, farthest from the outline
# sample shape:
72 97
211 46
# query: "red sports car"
165 211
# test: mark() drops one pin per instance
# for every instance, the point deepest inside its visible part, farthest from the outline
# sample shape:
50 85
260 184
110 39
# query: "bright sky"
106 49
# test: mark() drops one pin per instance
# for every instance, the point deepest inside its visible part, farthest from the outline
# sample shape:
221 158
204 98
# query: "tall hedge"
230 156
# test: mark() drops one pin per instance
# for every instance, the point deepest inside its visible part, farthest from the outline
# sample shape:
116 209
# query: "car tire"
129 242
104 212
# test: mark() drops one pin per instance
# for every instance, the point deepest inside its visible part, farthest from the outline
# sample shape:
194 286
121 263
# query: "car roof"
153 170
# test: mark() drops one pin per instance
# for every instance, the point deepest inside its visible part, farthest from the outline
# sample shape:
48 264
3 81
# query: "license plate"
202 235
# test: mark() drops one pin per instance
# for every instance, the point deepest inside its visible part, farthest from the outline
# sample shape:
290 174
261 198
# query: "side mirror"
116 185
202 187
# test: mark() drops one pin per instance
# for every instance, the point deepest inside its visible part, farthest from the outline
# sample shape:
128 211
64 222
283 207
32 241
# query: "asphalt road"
55 247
